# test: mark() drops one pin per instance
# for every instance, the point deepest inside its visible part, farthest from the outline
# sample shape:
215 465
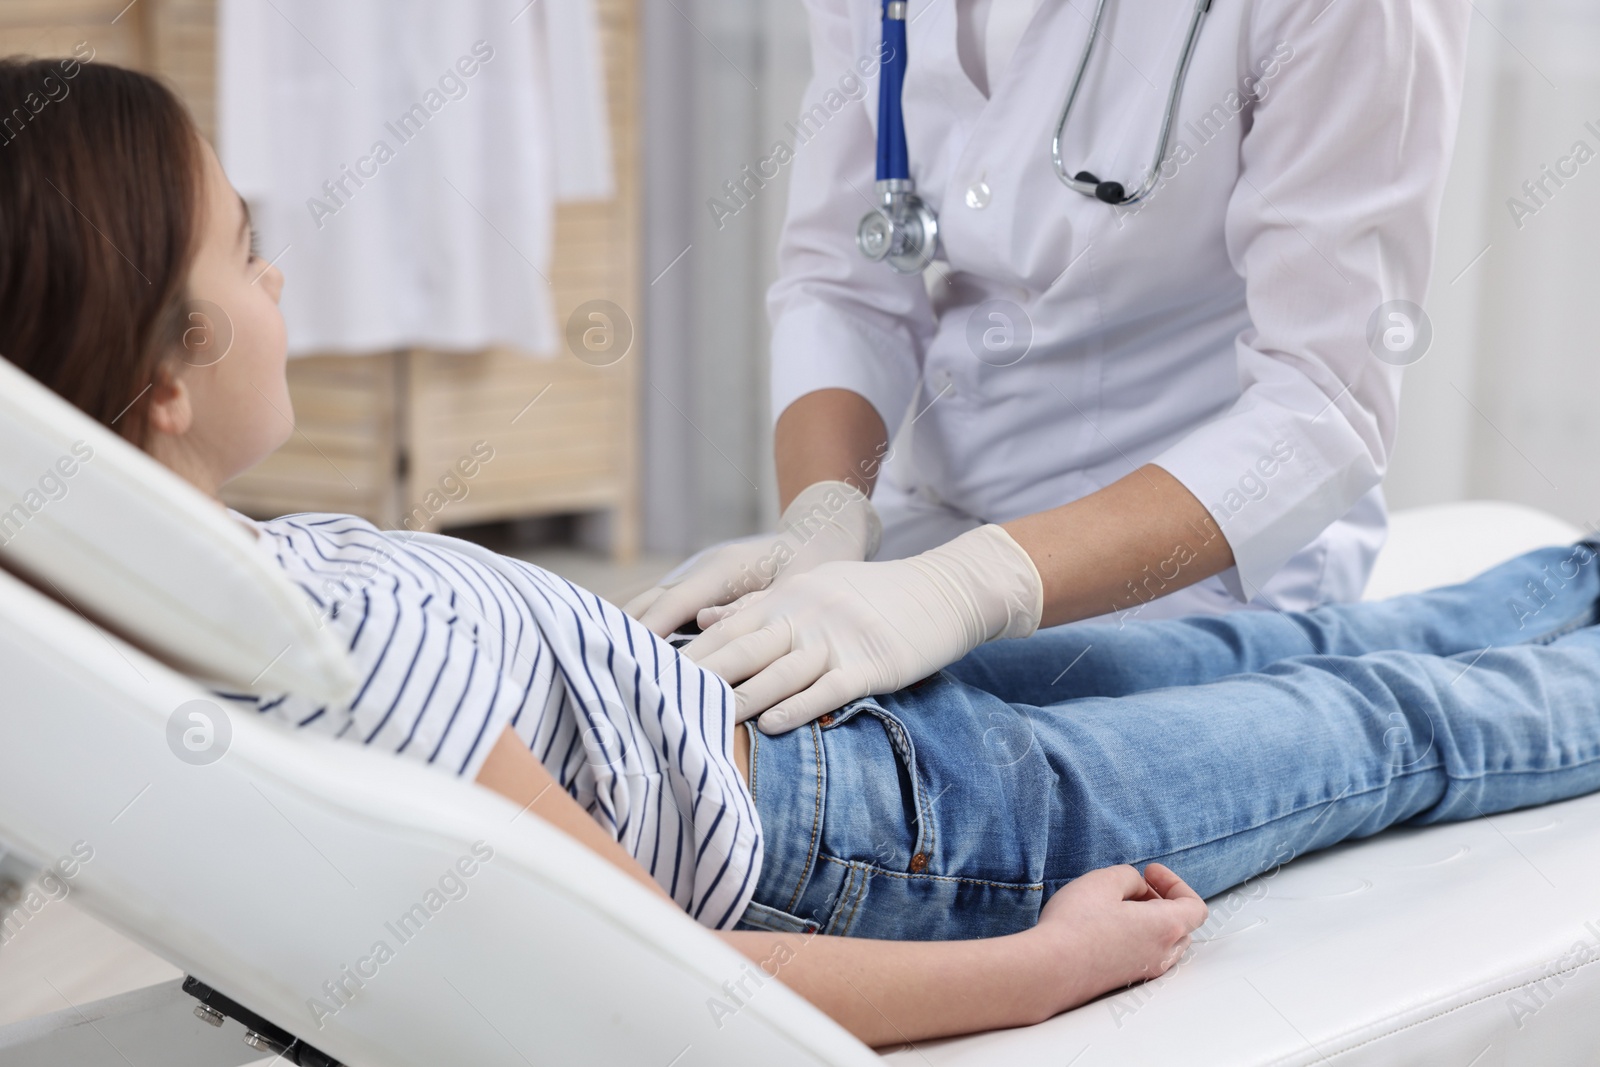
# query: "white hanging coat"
403 158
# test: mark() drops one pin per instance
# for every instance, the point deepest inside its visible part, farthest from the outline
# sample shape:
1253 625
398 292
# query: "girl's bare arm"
1102 931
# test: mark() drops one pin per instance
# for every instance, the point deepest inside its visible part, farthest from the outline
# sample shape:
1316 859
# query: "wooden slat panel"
119 44
578 420
519 461
343 456
579 494
560 450
57 12
181 37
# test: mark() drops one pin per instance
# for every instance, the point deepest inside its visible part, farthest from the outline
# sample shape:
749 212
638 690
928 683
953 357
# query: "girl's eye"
255 244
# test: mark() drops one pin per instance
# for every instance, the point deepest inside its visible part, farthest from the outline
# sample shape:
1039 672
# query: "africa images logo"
198 732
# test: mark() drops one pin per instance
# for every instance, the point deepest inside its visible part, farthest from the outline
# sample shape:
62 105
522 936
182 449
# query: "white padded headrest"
124 540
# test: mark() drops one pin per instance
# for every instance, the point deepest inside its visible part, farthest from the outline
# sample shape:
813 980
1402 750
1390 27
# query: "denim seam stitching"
1280 818
860 895
1573 626
816 821
1372 789
869 869
1569 628
761 923
1548 770
844 893
755 747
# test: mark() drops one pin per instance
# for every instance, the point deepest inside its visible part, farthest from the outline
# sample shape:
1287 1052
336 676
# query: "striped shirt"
454 642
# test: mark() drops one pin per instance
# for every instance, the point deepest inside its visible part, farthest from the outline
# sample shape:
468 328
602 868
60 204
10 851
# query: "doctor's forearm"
1135 540
828 435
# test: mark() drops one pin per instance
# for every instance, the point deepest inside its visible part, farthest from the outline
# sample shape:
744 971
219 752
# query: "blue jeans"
1220 747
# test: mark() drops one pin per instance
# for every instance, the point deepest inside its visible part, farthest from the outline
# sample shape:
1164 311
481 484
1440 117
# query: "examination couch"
270 867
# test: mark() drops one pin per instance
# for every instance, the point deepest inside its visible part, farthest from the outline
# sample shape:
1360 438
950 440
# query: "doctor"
1153 364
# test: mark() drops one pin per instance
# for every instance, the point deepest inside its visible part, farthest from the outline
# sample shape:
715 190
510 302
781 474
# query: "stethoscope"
904 229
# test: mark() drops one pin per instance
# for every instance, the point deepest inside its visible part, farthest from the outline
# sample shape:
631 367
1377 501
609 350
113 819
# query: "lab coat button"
978 195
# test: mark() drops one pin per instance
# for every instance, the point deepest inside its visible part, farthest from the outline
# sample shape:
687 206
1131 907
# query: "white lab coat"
1212 330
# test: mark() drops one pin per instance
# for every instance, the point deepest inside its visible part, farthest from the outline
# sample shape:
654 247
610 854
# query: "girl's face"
221 403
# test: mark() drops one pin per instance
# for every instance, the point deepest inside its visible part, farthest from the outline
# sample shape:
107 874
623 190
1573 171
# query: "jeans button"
919 863
826 720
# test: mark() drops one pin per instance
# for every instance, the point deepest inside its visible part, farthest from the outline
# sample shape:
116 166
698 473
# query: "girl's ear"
171 412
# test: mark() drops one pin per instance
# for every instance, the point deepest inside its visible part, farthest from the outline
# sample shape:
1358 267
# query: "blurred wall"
1502 406
721 79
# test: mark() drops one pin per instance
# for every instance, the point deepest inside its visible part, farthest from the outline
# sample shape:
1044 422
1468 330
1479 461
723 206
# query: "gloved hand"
815 641
827 521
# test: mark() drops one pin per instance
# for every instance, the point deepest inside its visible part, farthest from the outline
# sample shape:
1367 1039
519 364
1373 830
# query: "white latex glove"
816 641
828 521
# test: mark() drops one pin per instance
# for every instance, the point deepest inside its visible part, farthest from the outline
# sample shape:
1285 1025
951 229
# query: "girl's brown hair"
100 196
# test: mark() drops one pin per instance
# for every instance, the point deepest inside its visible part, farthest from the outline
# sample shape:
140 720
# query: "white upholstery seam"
1442 1014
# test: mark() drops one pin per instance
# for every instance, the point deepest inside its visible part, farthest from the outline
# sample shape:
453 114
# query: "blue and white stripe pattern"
454 642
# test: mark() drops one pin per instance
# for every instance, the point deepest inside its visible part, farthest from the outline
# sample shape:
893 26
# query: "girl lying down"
1026 830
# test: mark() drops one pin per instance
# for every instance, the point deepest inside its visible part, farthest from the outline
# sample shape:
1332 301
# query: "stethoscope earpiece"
904 231
1111 192
1115 193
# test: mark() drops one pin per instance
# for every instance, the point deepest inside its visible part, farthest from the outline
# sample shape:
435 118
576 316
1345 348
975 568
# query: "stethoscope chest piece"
903 231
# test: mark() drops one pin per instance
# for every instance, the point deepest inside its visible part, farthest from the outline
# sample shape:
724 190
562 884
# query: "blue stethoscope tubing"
904 229
894 162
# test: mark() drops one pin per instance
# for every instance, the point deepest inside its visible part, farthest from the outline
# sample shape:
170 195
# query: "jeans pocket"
939 816
856 834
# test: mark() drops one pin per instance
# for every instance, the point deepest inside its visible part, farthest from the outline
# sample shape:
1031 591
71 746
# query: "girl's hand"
1111 927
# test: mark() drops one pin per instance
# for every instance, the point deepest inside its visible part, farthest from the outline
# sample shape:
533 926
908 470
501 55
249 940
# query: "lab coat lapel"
940 102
